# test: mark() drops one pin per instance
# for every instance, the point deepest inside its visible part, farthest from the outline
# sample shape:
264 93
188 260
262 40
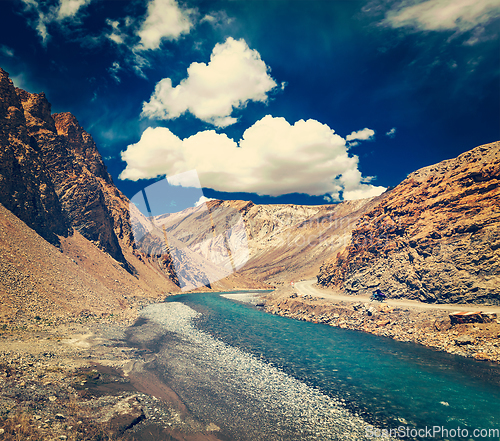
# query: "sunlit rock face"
435 238
52 175
26 187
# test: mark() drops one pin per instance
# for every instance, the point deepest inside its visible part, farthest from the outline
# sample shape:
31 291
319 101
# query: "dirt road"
309 287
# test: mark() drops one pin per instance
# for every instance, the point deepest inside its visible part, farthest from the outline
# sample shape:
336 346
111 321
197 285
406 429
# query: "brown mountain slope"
290 242
436 237
38 279
26 187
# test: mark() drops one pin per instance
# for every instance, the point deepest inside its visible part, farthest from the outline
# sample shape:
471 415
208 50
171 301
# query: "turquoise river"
263 377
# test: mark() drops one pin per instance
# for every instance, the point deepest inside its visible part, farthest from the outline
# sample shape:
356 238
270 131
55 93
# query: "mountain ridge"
53 178
435 238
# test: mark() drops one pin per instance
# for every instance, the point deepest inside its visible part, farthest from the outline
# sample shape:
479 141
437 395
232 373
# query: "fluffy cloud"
441 15
234 76
272 158
165 19
361 135
43 14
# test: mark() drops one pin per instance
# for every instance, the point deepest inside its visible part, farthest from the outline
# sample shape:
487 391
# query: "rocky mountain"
274 244
76 169
435 237
53 179
65 234
26 187
290 242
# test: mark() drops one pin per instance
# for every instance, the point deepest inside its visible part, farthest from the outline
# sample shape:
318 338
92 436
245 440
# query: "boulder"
125 414
464 340
466 317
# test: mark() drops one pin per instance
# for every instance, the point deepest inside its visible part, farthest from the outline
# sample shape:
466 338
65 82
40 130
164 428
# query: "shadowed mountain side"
40 280
435 238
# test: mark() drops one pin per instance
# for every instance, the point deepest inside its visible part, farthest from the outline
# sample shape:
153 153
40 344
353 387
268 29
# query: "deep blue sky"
427 70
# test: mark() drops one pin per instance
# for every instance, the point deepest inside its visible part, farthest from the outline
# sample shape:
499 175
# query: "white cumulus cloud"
234 76
361 135
441 15
273 158
165 19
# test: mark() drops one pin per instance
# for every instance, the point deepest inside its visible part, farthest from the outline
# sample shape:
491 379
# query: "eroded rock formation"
26 187
435 238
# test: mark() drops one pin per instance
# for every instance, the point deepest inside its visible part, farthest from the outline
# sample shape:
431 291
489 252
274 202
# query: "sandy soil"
84 380
309 287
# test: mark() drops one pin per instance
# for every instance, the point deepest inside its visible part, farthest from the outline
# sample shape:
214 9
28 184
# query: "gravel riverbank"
244 396
81 380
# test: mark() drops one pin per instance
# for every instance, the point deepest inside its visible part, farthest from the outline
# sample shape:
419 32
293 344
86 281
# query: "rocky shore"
432 328
81 380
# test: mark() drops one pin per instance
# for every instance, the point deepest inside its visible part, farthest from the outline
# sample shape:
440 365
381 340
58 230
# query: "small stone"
52 398
212 428
481 356
63 437
60 416
464 340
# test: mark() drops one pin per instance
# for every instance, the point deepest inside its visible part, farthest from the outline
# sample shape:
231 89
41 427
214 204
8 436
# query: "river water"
264 377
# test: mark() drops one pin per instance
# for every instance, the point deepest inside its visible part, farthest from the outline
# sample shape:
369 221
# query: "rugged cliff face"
435 238
26 188
76 169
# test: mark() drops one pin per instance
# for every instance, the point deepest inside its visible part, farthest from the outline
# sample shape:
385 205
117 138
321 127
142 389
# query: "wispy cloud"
164 20
273 158
6 51
113 70
234 76
391 133
43 14
443 15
